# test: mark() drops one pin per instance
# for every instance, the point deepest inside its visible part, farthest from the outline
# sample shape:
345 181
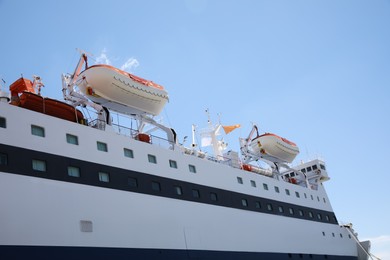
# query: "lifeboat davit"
274 148
121 91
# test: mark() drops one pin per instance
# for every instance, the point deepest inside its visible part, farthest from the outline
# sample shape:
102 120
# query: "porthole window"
72 139
101 146
128 153
3 159
213 196
195 193
39 165
152 158
74 171
104 177
3 123
132 182
173 164
192 168
178 190
156 186
37 130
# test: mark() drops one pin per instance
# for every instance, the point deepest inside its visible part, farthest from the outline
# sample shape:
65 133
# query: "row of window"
39 165
277 190
101 146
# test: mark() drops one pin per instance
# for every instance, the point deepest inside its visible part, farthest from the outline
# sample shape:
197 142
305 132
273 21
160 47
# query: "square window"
303 170
258 204
308 169
310 214
104 177
314 167
86 226
178 190
152 158
192 168
132 182
300 212
265 186
101 146
327 218
244 202
72 139
287 192
276 189
213 196
156 186
195 193
239 180
37 130
281 210
39 165
322 167
297 194
291 211
3 159
253 183
305 195
3 123
319 216
269 207
173 164
128 153
311 197
74 171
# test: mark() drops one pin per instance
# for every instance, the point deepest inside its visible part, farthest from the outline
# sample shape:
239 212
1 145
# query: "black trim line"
103 253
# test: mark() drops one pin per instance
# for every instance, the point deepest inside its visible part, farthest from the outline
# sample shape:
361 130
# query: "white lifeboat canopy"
274 148
121 91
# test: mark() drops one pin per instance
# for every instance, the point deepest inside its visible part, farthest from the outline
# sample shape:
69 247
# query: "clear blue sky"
315 72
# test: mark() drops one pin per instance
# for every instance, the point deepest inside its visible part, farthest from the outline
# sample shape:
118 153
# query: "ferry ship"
74 184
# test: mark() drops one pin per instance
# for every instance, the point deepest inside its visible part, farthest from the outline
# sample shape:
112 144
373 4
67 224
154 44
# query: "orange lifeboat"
274 148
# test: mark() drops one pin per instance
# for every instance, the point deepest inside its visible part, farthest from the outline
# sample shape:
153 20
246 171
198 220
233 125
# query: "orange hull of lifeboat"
274 148
50 107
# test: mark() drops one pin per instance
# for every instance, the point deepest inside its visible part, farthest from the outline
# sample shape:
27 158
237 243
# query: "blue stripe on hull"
99 253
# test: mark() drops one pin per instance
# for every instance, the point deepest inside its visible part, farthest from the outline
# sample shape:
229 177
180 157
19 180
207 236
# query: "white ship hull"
44 213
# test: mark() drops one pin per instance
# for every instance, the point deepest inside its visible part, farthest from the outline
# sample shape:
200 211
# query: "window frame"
70 138
152 158
37 130
102 146
70 172
101 178
36 163
129 153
